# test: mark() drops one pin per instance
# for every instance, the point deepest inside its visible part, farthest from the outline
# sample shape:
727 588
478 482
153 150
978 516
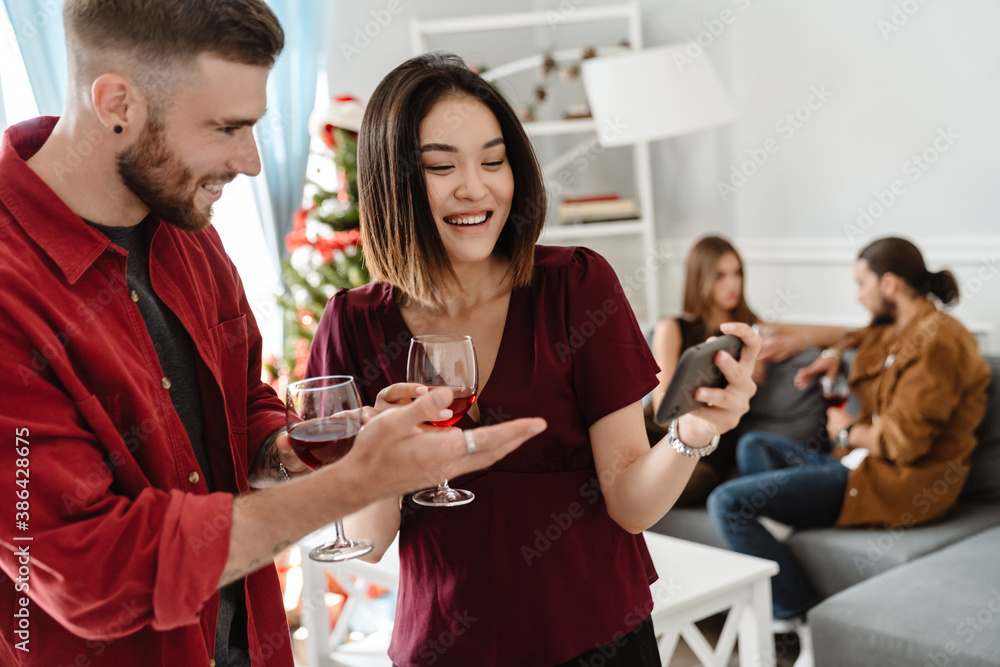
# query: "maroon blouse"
533 571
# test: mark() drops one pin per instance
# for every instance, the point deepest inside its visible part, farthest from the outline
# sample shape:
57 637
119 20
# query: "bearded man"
134 416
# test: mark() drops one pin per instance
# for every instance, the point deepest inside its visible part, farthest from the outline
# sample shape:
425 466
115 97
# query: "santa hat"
343 111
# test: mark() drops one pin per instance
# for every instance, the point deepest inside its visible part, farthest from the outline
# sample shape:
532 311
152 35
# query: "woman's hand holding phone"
714 410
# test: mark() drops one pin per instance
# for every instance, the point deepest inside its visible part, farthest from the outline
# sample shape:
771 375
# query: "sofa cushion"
692 524
983 483
836 558
941 610
779 407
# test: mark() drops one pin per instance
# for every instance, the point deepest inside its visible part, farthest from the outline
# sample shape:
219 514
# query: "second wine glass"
445 361
324 416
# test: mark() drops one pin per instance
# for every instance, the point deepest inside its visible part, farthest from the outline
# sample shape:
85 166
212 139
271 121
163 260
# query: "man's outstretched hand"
397 453
821 366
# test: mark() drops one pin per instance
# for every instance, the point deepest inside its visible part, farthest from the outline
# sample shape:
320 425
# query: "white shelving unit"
642 231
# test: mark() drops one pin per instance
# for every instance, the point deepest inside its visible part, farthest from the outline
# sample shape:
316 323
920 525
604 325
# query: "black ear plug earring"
119 129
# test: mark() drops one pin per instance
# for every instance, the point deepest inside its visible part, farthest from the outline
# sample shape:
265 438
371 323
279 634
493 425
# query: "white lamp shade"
654 94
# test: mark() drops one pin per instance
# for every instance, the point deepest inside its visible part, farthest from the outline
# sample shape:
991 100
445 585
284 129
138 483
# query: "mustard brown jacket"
924 393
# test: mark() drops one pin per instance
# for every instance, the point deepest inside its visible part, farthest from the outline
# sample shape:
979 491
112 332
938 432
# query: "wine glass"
835 390
324 416
445 361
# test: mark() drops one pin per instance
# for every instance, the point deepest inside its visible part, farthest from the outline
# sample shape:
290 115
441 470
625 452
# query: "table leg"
315 616
756 640
667 644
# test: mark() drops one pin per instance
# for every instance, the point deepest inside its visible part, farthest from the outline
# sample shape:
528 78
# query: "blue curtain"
283 134
38 28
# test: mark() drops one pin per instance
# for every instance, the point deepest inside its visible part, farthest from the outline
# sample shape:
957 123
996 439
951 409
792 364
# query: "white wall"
891 92
890 98
368 38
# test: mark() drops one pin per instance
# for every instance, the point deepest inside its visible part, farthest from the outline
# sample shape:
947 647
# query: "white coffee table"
698 581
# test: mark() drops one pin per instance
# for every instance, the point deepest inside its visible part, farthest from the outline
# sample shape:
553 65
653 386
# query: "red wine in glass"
459 406
321 441
835 391
445 361
323 416
835 400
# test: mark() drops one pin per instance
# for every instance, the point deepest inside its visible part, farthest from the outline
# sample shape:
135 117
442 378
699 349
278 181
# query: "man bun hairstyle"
902 258
148 39
942 285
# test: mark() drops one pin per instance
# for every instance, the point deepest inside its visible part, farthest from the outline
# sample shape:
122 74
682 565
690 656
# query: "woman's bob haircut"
399 237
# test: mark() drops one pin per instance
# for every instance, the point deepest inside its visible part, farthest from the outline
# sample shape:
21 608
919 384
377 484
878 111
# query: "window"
18 101
238 223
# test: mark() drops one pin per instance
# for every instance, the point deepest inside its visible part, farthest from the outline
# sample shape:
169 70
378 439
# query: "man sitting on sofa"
922 386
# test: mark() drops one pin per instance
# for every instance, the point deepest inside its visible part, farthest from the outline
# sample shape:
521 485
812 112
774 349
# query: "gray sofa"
914 596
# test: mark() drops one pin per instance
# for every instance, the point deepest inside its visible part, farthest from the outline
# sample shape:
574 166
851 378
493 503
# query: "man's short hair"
149 39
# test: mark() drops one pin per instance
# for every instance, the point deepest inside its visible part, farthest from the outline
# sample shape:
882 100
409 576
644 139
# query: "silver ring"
470 441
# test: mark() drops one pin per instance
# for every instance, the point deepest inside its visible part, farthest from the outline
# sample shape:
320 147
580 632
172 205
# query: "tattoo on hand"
230 576
267 471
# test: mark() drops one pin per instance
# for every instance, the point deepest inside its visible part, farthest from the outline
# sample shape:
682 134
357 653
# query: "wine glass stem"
340 541
443 487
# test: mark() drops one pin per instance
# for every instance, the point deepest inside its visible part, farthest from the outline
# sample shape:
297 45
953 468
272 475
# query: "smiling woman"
429 107
469 186
451 209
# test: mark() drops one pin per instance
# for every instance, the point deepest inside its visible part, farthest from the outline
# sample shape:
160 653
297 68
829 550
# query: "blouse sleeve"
613 366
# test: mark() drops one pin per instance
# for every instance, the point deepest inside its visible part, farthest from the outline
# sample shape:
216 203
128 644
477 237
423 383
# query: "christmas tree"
325 241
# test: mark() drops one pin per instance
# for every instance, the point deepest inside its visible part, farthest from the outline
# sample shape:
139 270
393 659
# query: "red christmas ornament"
329 139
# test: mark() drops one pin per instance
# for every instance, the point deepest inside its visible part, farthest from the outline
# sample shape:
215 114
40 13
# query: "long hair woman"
713 294
547 565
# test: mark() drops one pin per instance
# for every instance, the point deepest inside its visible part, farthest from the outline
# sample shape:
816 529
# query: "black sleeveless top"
692 332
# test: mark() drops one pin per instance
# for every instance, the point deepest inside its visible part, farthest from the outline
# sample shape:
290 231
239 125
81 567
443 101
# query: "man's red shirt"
124 545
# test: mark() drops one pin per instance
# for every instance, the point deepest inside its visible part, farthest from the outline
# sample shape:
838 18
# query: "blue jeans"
788 483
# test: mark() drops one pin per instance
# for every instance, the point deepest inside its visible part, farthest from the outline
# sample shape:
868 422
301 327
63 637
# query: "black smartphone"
696 368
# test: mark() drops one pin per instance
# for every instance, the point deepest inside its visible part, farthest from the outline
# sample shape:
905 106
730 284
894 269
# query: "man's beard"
161 180
885 314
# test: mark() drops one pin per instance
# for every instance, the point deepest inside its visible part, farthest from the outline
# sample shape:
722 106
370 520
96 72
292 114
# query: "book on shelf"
601 197
600 208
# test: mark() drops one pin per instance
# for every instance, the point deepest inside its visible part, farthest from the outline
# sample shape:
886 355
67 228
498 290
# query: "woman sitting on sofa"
713 294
